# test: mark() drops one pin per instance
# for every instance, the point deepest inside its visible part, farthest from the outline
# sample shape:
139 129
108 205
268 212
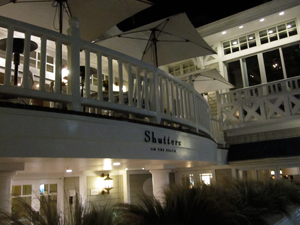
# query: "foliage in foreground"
230 202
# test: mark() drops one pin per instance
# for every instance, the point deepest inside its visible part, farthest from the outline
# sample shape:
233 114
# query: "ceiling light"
224 32
261 20
116 164
126 169
281 13
143 168
241 27
68 170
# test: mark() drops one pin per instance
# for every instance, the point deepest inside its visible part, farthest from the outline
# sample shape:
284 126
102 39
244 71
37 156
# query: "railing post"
74 64
9 55
155 104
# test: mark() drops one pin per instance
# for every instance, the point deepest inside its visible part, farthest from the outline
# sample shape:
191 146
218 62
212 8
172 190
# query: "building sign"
150 137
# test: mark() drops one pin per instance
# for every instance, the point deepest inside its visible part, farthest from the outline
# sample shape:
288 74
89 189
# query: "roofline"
246 16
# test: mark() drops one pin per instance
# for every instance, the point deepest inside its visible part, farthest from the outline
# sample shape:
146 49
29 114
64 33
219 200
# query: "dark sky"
200 12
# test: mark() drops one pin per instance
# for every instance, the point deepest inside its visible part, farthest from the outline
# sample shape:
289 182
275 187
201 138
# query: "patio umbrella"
162 42
95 16
209 80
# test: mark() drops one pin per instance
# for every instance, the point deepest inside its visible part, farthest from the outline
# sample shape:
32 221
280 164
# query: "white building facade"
156 130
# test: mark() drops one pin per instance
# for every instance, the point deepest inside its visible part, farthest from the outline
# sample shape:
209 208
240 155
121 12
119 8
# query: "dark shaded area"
200 12
265 149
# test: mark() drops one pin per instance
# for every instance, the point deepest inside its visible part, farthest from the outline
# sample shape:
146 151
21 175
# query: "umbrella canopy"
95 16
209 80
165 41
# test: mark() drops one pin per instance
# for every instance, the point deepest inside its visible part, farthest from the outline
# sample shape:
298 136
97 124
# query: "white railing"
267 102
152 93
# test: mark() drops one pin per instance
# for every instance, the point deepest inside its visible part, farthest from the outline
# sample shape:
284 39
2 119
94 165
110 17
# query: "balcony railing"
271 102
153 95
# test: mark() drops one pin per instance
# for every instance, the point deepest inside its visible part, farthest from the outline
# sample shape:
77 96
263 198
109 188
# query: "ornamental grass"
231 202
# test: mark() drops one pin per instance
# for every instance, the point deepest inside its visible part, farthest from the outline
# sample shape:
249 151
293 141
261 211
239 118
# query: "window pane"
53 188
273 65
243 39
264 40
281 27
251 37
253 70
235 74
226 44
273 37
292 32
16 190
26 189
263 33
50 59
272 30
234 42
282 35
291 57
33 54
227 51
244 46
235 49
252 44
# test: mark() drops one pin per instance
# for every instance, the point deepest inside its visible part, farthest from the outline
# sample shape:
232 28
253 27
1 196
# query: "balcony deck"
153 96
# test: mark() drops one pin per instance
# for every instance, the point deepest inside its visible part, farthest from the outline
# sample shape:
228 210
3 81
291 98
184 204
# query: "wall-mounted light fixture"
108 183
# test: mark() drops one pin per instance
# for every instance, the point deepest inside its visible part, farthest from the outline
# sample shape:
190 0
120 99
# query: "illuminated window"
187 180
183 68
206 178
239 44
278 32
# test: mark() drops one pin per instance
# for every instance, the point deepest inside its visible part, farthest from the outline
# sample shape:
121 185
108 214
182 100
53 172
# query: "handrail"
261 103
153 94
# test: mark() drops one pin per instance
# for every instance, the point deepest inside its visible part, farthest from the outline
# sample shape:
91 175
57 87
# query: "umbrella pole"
155 54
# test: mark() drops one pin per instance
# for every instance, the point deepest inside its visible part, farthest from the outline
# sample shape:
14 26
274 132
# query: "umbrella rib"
146 2
148 46
161 30
132 38
186 40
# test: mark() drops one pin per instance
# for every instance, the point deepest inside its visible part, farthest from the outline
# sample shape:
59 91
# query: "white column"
160 180
5 190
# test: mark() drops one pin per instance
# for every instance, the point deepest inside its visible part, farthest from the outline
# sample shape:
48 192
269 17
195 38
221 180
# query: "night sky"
200 12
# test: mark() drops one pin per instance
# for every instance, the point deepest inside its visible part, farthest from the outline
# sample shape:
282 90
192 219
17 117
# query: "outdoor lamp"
108 184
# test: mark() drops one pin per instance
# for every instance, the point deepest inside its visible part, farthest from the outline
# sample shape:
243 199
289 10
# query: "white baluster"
43 63
9 54
99 76
26 59
87 74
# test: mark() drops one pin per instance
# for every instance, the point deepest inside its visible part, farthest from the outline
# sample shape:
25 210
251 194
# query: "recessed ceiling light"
261 20
68 170
281 13
224 32
116 164
241 27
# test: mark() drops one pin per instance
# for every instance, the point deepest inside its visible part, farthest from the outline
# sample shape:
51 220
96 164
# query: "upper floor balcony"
266 107
148 94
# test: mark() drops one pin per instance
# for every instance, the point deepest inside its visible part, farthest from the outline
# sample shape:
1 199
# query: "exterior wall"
115 196
138 186
63 135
